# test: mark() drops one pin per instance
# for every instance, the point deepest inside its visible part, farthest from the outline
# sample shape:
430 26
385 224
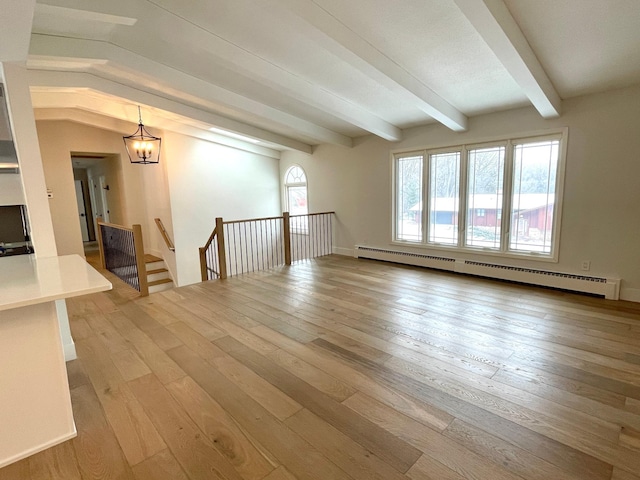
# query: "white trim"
452 249
630 294
483 140
347 252
69 351
68 346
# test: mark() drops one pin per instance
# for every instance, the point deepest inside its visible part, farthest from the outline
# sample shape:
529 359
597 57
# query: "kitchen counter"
26 280
35 401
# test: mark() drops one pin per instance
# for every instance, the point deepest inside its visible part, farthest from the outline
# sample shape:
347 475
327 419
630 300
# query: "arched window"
295 185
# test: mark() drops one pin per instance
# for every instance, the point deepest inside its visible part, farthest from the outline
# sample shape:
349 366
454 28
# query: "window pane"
297 200
295 175
534 195
409 199
444 189
484 197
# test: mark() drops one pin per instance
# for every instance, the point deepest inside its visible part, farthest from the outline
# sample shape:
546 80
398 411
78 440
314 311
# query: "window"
444 193
535 167
485 173
409 198
468 188
295 184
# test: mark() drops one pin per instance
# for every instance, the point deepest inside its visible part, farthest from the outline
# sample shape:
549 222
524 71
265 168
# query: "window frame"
302 227
507 192
394 213
287 185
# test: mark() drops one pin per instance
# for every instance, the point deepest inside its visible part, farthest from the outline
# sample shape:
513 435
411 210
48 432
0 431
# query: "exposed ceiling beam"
498 28
343 42
135 96
77 15
240 60
143 73
80 115
15 29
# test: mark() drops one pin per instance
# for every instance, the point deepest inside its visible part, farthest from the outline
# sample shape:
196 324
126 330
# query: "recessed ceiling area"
296 73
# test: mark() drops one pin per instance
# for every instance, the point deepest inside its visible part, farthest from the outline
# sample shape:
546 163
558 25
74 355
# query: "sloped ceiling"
296 73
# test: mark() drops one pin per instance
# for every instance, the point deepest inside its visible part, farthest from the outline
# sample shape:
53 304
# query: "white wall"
111 169
194 182
58 139
207 180
600 219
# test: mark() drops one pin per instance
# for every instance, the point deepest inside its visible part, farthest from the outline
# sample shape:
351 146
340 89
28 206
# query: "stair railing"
165 235
122 253
242 246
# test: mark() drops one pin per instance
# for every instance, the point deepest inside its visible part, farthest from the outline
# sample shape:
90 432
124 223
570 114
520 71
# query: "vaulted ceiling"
296 73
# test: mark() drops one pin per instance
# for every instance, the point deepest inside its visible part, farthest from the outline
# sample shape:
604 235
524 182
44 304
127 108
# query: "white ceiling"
296 73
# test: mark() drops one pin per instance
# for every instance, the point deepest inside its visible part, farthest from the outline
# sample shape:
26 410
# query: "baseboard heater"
606 287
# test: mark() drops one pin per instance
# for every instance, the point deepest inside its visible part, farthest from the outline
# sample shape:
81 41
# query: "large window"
500 197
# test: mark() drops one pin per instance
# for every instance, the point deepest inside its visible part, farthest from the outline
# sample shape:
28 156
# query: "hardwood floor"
350 369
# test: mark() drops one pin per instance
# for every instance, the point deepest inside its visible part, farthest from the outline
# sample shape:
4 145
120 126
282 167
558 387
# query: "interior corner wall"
601 195
208 180
58 139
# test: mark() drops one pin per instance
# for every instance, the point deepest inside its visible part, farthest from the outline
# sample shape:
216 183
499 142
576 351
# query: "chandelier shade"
142 147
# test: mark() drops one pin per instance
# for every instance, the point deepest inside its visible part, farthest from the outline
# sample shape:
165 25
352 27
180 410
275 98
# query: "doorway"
82 209
97 193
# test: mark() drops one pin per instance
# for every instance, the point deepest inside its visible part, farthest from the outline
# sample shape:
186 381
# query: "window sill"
452 250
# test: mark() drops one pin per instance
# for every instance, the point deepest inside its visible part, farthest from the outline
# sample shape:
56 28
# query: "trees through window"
468 189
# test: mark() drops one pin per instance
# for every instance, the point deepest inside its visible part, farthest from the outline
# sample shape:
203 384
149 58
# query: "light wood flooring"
349 369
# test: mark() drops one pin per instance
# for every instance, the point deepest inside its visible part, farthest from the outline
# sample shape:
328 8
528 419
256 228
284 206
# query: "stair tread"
160 282
148 258
156 270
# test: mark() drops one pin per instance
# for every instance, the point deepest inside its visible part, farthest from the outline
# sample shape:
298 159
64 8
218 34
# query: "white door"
96 201
102 184
84 227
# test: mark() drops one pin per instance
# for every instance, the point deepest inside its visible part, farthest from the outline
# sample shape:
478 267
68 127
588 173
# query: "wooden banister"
222 254
268 242
103 262
140 263
312 214
138 253
165 235
286 233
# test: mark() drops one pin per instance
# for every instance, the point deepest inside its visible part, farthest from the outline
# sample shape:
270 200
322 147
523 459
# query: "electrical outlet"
586 265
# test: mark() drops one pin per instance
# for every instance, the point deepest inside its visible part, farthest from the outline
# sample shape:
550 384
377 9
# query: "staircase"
157 274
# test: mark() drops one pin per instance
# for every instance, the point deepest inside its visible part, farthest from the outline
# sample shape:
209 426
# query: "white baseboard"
68 346
69 352
348 252
630 294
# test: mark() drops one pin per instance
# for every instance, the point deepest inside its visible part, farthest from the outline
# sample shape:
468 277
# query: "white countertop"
26 280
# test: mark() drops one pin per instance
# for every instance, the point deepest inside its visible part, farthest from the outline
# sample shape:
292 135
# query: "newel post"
286 232
103 260
140 263
222 254
203 264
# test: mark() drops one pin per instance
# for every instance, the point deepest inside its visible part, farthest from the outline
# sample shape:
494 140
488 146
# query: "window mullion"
507 189
426 202
463 195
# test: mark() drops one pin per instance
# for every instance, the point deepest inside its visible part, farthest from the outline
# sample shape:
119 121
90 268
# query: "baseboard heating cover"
607 287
